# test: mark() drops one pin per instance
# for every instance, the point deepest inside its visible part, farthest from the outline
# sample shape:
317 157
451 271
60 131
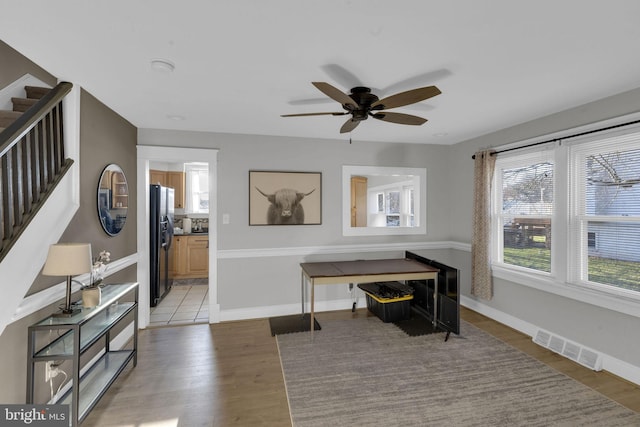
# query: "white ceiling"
239 64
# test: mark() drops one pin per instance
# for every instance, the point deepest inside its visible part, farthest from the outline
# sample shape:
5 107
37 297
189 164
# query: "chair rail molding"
44 298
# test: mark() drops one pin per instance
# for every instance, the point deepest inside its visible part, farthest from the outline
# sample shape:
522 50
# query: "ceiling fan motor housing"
363 98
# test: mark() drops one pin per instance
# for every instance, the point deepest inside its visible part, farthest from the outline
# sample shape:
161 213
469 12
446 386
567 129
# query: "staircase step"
22 104
36 92
7 117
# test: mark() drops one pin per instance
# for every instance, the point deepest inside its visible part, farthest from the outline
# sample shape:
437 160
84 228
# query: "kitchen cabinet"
176 180
198 256
64 341
158 177
171 179
189 257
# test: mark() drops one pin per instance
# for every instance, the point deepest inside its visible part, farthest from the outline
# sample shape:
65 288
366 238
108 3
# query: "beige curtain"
481 281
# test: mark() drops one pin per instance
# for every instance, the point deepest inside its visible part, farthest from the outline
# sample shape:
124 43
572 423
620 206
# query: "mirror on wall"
380 200
113 199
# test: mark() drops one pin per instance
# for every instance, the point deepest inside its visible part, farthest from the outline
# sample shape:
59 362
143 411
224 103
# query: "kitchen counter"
204 233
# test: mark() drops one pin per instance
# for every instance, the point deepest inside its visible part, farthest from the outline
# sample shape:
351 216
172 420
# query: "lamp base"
67 313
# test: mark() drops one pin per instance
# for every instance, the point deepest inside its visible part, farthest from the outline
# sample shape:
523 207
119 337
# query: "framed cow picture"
285 198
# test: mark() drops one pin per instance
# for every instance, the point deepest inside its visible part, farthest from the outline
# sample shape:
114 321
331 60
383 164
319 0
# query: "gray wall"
241 153
246 283
269 281
603 330
14 65
105 137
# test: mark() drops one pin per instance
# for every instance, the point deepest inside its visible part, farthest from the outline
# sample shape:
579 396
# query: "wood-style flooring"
229 374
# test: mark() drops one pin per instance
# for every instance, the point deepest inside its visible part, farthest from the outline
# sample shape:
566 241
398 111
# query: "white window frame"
497 217
405 216
189 169
577 269
560 281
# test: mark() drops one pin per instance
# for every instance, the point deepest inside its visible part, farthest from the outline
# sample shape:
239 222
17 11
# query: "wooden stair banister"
32 162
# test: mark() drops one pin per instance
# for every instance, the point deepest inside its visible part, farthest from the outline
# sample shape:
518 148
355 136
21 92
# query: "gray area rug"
363 372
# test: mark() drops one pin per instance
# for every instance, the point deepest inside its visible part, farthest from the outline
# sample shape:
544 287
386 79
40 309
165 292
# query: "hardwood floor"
229 374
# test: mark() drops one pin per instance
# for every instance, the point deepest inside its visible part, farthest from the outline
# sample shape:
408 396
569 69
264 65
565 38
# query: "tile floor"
187 302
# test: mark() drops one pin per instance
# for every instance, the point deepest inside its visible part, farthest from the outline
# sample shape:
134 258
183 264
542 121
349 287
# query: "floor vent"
570 350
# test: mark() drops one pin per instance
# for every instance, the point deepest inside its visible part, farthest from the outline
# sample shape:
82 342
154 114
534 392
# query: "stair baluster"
32 158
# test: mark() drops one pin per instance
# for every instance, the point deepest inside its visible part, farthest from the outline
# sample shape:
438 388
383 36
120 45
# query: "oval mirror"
113 199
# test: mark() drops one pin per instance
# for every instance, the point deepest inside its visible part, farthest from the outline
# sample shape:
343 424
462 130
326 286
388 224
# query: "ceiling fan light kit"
362 104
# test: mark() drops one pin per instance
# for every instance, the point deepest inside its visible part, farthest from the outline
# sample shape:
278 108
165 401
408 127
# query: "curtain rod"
575 135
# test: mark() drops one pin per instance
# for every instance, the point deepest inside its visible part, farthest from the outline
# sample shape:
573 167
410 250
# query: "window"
398 203
197 187
605 214
571 213
524 208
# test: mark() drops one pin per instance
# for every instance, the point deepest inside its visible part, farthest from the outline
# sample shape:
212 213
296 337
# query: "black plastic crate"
390 301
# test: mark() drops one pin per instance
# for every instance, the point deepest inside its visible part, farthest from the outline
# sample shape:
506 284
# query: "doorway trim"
145 154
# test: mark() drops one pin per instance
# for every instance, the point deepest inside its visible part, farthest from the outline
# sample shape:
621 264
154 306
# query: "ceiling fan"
361 104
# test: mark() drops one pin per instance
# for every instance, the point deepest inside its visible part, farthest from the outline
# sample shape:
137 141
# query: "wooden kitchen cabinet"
189 257
171 179
158 177
176 180
198 256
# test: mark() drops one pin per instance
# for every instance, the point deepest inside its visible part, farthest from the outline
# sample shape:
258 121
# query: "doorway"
147 154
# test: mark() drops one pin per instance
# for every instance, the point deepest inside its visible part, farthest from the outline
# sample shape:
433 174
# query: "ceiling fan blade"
349 125
335 94
400 118
314 114
406 98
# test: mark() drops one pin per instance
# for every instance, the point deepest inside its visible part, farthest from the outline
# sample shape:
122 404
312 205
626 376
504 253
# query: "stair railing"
32 163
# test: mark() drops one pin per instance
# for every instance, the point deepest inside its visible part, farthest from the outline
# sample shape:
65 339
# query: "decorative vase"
91 297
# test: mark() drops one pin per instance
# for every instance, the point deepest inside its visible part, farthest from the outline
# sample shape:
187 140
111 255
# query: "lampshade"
68 259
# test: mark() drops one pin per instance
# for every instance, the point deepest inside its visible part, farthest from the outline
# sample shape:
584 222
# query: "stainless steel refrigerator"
161 238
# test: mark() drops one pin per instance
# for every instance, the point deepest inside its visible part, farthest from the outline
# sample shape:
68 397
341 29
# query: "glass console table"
64 340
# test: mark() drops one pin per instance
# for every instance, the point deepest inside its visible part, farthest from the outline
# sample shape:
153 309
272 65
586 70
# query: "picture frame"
285 198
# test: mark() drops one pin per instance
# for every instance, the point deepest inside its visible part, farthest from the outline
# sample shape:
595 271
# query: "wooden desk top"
365 267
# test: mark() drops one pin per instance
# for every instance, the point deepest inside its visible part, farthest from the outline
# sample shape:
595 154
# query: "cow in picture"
285 207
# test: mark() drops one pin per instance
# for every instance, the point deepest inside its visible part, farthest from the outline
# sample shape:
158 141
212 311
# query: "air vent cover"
576 352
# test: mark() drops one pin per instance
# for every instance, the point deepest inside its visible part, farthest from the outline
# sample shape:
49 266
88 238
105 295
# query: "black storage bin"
390 301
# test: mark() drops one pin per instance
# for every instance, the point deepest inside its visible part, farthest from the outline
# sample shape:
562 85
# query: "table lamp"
68 259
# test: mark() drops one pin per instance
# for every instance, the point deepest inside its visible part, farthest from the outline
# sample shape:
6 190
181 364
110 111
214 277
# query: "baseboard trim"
610 364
